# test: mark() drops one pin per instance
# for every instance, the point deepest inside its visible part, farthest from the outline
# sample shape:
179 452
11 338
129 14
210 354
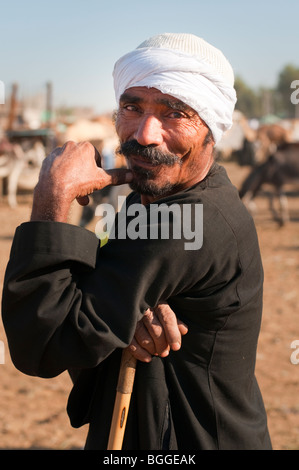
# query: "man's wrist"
49 206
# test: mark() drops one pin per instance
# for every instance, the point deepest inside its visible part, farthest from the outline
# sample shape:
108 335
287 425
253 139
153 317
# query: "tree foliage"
264 101
248 100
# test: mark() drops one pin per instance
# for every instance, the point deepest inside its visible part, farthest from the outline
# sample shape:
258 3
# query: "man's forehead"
142 94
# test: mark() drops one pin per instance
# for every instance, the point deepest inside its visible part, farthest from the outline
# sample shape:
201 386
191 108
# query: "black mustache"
149 153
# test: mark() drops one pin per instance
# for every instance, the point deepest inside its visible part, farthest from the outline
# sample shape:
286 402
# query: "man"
69 305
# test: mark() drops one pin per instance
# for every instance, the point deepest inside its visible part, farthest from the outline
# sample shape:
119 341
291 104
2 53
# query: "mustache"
148 153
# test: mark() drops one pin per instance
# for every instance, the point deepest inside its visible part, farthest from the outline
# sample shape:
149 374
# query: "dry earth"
32 410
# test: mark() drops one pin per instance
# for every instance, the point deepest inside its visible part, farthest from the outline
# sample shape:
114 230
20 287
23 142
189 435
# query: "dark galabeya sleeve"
68 304
39 289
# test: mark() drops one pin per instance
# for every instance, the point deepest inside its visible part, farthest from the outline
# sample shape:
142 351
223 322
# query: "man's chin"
150 188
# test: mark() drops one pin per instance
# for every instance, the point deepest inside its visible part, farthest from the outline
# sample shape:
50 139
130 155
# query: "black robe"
70 305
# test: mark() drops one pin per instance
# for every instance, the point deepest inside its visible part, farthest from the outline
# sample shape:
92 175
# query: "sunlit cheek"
181 138
124 128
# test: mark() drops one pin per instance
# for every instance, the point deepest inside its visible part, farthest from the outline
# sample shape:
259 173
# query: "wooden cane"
122 400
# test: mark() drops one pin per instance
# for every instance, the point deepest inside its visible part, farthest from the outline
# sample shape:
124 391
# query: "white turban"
185 67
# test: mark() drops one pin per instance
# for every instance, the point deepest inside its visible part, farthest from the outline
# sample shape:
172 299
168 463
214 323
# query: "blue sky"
74 43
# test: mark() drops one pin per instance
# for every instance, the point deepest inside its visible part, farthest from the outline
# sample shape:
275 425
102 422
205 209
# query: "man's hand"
157 333
71 172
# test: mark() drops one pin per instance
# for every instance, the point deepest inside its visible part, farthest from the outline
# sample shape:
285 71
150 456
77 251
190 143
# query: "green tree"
248 100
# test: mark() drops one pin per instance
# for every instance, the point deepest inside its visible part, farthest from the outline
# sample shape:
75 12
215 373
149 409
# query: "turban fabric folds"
192 78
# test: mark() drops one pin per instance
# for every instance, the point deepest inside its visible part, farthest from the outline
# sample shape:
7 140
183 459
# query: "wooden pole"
122 400
49 104
13 105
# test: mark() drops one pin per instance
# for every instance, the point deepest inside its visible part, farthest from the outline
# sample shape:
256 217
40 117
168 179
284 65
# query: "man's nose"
149 131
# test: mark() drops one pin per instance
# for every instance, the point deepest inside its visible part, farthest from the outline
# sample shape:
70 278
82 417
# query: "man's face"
163 141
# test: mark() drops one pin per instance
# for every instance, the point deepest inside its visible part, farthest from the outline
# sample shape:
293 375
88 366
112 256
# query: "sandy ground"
32 410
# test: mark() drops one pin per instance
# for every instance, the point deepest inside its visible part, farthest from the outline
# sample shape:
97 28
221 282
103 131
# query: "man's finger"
119 176
155 329
182 327
172 330
138 352
97 157
144 339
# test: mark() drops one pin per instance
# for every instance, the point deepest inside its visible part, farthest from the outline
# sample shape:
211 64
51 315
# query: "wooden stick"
122 400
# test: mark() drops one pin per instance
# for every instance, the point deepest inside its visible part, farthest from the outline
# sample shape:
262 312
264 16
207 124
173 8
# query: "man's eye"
130 107
176 115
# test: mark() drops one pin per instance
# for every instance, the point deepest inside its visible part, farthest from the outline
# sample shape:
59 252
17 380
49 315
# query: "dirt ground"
32 410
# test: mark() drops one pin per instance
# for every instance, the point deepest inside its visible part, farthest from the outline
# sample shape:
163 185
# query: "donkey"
281 168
